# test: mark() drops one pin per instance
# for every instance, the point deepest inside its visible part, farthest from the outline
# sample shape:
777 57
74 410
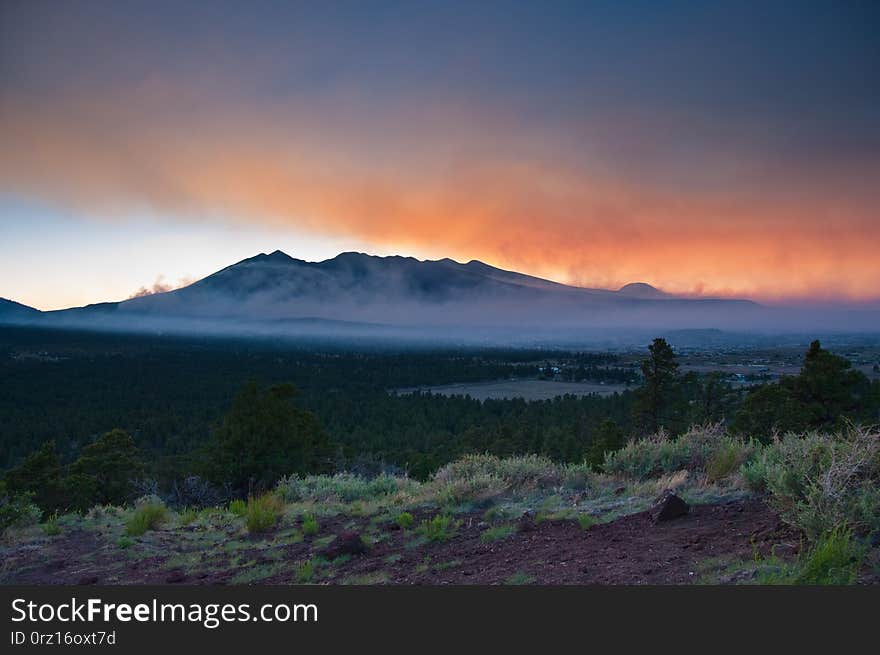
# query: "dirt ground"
629 550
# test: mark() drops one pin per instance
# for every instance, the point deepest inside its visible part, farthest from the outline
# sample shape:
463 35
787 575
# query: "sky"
707 148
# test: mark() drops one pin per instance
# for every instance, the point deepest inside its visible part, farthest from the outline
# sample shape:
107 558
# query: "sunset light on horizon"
598 145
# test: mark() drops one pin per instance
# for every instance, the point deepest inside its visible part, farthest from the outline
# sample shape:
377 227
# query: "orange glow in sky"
649 157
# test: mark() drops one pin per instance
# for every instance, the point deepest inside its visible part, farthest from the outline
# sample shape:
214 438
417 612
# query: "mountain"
11 310
277 293
641 290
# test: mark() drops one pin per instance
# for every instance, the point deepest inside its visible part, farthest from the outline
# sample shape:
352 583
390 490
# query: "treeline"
187 422
169 392
609 374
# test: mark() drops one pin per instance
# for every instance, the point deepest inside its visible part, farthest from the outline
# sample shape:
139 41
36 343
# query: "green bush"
440 528
310 525
586 521
51 527
305 572
187 515
344 487
520 578
262 513
480 488
404 520
18 512
821 482
146 517
754 474
497 533
650 457
238 507
726 459
834 560
702 448
515 472
124 542
495 513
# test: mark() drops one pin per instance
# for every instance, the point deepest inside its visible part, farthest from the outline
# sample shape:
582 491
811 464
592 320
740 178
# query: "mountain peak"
274 257
278 255
641 290
10 308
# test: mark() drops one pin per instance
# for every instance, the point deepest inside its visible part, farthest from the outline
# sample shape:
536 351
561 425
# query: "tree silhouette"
608 438
40 475
264 436
658 404
104 472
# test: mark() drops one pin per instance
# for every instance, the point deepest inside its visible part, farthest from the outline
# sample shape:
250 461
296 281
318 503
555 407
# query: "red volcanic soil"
629 550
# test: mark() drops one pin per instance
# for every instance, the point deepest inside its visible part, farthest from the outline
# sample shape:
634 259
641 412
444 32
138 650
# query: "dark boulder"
668 506
346 543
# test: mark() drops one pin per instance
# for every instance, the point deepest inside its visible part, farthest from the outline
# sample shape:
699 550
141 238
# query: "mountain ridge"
277 291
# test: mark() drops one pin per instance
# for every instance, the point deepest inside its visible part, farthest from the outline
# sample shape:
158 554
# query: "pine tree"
264 436
658 403
105 471
39 475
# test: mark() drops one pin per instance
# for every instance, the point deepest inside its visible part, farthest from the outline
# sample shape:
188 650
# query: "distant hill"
353 292
11 310
641 290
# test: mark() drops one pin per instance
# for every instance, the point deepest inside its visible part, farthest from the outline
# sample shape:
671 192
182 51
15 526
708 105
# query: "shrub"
526 471
754 474
310 525
495 513
193 491
698 449
440 528
479 488
833 560
519 578
305 572
344 487
726 459
586 521
238 507
51 527
497 533
822 482
404 520
649 457
18 512
187 515
146 517
124 542
262 513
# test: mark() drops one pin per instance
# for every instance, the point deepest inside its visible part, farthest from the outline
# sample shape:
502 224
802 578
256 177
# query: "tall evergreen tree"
659 402
105 471
40 475
265 436
609 438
